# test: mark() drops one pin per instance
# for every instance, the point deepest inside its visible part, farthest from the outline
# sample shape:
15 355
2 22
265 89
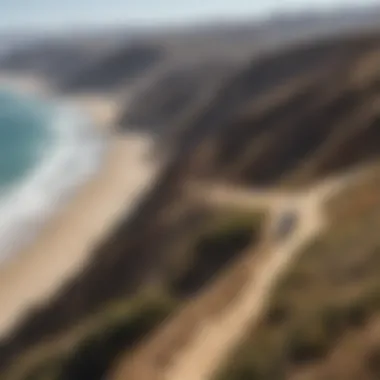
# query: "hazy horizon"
52 15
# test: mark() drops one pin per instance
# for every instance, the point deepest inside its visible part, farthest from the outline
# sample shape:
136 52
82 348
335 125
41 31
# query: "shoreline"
73 156
100 108
64 244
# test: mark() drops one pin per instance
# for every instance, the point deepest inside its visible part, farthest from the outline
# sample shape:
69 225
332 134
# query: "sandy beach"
65 244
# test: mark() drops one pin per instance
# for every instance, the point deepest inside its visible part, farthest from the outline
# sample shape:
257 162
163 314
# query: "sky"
66 14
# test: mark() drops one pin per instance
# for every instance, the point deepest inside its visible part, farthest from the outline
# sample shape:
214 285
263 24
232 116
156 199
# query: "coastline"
72 156
65 242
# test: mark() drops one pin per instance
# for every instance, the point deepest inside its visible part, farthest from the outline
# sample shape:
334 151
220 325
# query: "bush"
219 242
308 340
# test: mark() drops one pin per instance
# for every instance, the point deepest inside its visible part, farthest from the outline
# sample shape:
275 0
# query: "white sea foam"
75 154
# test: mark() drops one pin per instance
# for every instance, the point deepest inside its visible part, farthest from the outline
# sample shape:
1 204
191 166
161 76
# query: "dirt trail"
211 340
215 339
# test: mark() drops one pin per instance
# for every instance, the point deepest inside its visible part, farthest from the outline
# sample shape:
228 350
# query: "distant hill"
114 70
77 60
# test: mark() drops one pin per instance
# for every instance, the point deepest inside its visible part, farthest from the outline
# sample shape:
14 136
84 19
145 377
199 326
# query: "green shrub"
219 242
307 342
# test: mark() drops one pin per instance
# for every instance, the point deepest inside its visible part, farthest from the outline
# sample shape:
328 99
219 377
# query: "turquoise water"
24 133
47 149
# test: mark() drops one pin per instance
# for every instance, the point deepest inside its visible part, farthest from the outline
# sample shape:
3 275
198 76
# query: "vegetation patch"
88 350
221 240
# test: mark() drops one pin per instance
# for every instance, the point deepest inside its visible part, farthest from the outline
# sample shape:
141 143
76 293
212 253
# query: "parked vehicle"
285 225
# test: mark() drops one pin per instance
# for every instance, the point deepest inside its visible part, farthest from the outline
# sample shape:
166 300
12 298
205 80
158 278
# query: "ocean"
47 149
23 136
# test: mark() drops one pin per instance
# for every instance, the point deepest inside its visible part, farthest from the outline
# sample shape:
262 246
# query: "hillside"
293 116
323 319
258 102
284 118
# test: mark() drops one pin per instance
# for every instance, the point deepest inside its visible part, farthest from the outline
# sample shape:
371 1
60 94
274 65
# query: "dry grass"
326 311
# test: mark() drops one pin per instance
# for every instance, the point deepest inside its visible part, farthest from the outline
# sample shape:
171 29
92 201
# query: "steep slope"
175 96
280 114
297 115
292 115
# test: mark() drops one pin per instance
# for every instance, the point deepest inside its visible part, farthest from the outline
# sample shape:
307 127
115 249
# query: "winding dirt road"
215 338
